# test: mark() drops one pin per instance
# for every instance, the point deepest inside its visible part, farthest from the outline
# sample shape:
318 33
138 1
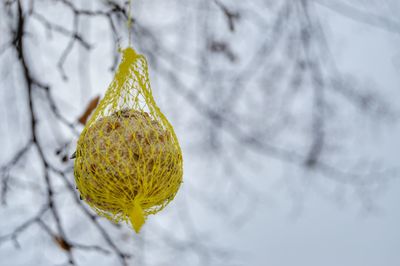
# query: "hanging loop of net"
128 159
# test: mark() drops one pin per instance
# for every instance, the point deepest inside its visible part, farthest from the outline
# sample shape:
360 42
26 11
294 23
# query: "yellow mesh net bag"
128 160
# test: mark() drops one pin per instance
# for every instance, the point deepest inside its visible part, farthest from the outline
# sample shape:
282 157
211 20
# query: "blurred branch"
15 159
318 83
349 11
61 30
21 228
30 82
233 129
370 102
231 16
4 170
93 218
254 66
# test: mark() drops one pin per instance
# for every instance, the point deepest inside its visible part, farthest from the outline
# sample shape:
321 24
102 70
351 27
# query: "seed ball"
123 155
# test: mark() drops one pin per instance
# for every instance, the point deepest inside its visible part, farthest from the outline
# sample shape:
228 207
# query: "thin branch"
17 156
231 17
74 35
70 187
25 225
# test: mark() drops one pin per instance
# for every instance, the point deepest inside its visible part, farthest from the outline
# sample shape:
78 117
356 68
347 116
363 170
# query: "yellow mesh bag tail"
128 159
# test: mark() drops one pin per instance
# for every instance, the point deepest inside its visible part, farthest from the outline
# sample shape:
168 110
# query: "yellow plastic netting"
128 159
